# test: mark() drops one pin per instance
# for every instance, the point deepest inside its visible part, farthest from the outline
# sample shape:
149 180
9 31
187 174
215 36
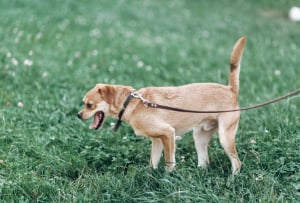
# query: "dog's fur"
163 126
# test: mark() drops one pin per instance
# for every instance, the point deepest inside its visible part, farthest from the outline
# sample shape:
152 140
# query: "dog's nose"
79 115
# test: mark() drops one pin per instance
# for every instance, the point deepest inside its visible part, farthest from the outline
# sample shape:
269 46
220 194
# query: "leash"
134 94
159 106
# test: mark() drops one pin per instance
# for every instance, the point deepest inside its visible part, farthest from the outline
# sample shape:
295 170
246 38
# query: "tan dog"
163 126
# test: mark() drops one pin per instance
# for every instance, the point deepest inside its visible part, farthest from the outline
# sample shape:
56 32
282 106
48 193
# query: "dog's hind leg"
227 133
202 135
156 151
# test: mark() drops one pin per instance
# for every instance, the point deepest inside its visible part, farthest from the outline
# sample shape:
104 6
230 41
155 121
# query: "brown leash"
159 106
134 94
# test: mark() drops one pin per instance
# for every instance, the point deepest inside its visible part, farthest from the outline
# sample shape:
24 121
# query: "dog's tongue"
96 121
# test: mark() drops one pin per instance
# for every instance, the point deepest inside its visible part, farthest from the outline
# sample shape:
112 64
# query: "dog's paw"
202 163
170 166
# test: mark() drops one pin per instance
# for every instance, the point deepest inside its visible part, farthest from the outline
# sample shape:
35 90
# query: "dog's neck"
121 96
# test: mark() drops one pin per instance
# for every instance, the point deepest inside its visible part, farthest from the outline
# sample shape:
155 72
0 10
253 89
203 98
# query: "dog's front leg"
163 138
156 151
168 140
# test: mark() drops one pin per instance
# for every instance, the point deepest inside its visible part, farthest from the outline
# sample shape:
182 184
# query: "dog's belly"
180 126
205 126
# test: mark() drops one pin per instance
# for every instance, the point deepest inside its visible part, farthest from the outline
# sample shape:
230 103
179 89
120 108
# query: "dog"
163 126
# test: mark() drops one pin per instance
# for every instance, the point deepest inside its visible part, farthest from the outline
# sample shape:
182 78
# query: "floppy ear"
108 93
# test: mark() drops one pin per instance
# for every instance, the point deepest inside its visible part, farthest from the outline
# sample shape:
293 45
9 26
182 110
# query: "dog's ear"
108 93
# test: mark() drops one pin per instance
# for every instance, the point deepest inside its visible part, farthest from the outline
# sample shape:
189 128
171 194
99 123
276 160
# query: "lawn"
52 52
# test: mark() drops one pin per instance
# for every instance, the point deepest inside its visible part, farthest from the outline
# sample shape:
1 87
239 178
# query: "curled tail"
235 60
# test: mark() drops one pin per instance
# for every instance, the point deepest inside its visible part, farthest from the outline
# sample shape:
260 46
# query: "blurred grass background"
52 52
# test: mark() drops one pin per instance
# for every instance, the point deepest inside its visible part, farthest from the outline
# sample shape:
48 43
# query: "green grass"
48 155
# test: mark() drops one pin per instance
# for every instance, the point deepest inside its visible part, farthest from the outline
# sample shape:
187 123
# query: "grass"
52 52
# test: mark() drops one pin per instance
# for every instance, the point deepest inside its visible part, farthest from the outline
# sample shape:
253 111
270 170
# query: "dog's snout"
79 115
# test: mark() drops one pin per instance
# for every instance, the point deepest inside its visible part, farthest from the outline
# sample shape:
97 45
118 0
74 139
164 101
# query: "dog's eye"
89 106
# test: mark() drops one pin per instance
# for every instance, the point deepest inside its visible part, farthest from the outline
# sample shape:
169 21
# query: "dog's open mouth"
98 120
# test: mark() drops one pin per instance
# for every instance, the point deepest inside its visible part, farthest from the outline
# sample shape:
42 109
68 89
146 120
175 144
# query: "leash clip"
139 96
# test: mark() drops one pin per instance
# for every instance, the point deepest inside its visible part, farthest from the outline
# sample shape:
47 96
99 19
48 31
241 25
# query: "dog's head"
97 103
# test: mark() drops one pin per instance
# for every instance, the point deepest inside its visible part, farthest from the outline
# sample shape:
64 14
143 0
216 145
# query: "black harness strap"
119 121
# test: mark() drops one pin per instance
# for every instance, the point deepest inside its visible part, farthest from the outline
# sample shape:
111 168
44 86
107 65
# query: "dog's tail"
235 60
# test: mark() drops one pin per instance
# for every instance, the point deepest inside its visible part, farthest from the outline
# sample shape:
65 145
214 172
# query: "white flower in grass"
14 61
182 158
259 177
45 74
20 104
70 63
266 130
30 53
28 62
38 36
294 14
277 72
8 54
77 54
148 68
95 52
95 33
112 124
140 64
178 138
